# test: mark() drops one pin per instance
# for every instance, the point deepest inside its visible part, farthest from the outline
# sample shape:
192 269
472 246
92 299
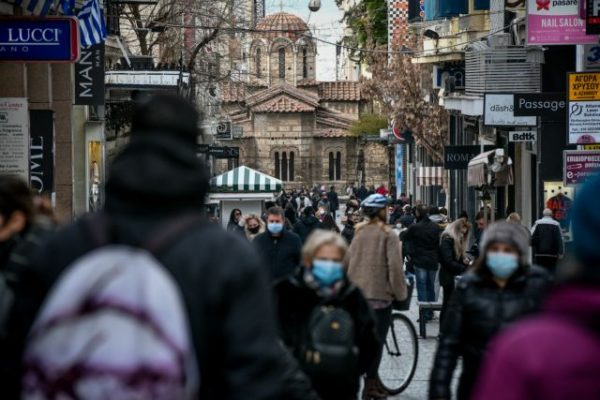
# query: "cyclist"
374 264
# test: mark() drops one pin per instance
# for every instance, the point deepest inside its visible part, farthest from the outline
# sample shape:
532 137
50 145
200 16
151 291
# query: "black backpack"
329 347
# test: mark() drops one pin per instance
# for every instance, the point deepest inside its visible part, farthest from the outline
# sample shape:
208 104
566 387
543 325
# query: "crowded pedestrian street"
299 199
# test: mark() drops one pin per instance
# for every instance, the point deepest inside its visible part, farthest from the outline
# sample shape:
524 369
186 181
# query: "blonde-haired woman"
253 226
321 283
453 259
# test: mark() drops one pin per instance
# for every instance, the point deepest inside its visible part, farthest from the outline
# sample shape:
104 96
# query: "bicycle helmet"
375 201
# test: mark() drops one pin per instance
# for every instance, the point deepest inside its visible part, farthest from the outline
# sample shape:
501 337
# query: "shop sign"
458 157
522 136
584 107
399 169
51 40
14 137
580 165
591 57
556 22
592 17
41 151
498 110
591 146
89 76
541 105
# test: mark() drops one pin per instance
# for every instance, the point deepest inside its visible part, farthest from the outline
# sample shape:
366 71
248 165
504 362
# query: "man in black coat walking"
423 239
334 202
547 241
307 224
278 247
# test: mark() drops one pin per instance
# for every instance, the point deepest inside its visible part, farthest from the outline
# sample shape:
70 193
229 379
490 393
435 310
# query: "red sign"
579 165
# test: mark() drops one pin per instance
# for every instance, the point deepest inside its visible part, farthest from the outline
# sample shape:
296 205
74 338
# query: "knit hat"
585 220
168 116
513 234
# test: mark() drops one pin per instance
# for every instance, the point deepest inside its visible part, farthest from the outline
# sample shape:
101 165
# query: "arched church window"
258 63
284 166
291 167
335 166
277 166
282 63
304 63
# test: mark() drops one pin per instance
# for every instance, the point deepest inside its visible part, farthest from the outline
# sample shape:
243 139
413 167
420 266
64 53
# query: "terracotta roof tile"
340 91
332 133
282 24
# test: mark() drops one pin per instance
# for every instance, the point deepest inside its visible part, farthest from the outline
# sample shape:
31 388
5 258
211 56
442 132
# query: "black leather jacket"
450 265
477 311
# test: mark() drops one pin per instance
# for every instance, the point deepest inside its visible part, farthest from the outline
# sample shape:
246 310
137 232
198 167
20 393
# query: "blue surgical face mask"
275 228
502 265
327 272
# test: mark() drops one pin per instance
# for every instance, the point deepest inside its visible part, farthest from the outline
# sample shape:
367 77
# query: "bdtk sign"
39 39
522 136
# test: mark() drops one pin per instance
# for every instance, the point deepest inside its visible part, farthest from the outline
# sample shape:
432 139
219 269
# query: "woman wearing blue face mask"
325 321
501 288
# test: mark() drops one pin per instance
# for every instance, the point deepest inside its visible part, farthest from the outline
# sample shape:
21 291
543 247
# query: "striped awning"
244 179
430 176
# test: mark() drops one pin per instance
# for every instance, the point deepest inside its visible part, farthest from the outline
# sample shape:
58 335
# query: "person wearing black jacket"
423 239
334 201
453 260
307 224
233 225
547 241
155 179
279 248
501 289
322 282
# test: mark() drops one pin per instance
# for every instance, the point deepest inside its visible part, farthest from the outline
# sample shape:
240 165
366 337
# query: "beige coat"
374 263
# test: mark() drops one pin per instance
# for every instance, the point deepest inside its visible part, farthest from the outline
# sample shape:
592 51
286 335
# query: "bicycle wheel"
400 354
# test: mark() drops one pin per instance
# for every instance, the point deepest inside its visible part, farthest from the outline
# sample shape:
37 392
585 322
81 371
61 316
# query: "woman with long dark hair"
235 223
501 288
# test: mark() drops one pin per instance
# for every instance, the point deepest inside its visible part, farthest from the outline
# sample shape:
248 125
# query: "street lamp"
314 5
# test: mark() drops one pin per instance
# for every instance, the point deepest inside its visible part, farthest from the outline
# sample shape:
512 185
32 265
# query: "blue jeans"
426 287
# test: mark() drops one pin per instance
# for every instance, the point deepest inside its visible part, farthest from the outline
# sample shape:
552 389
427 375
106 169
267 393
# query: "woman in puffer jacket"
453 260
501 289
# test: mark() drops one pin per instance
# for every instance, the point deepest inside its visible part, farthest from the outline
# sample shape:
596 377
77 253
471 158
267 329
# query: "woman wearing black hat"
502 288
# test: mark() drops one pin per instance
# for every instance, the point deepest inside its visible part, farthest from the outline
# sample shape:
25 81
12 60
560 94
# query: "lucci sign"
39 40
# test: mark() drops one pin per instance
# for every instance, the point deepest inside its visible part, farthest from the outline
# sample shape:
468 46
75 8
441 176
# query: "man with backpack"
146 300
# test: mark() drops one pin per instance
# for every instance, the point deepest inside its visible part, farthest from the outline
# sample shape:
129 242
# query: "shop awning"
480 165
244 179
430 176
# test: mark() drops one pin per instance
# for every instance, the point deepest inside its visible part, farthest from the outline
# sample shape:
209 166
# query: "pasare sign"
579 165
554 22
50 40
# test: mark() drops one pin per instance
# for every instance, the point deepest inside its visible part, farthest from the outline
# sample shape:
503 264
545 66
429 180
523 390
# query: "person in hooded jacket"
453 258
501 289
321 282
236 222
555 355
156 179
307 224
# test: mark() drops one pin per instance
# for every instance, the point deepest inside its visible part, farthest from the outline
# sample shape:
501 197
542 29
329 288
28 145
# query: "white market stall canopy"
245 180
493 162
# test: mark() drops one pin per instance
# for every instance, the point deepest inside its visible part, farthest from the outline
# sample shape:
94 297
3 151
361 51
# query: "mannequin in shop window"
560 205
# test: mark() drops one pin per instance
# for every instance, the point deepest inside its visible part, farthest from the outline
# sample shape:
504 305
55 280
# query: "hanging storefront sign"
522 136
51 40
591 57
591 146
458 157
41 151
592 17
556 22
541 105
498 110
399 169
89 76
14 137
584 107
579 165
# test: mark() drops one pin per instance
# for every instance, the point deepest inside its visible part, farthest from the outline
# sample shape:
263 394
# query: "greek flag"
36 7
92 27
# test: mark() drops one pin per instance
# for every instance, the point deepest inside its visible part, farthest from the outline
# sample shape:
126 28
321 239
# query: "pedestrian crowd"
147 299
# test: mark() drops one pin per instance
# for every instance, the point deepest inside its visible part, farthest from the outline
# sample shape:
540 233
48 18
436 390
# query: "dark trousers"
548 262
448 290
383 317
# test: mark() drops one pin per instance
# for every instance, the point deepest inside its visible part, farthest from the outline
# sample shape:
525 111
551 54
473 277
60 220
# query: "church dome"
283 24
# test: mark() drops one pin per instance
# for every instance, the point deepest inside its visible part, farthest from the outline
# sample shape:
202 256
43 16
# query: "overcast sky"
325 24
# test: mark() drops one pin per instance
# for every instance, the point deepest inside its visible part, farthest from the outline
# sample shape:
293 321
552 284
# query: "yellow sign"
584 86
591 146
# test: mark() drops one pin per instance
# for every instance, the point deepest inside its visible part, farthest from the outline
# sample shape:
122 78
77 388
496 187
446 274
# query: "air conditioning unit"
500 40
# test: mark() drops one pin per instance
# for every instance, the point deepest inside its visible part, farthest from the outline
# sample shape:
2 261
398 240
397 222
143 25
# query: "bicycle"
401 351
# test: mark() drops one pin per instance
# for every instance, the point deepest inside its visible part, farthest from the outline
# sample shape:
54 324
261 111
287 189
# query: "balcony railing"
146 78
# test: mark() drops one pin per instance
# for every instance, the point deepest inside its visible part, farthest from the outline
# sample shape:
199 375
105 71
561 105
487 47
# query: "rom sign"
51 40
